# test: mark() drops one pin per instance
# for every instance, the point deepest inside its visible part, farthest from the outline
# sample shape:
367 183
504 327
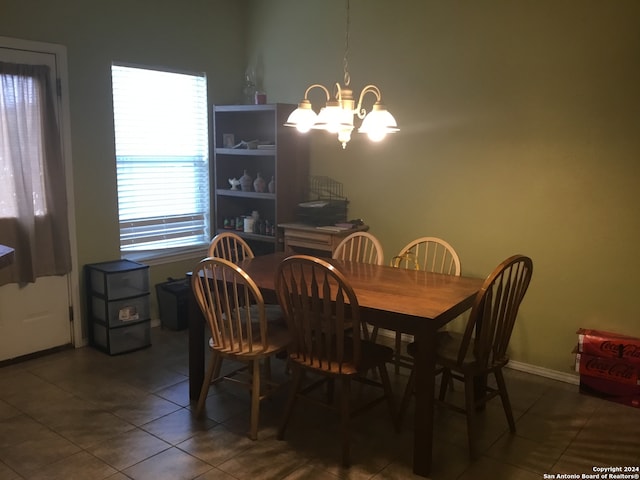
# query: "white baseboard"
566 377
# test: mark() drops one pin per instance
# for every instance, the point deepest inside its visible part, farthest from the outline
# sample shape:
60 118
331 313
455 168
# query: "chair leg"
470 408
480 385
331 388
406 398
398 352
267 368
506 404
255 399
374 333
444 382
298 376
209 375
345 413
217 368
365 331
388 393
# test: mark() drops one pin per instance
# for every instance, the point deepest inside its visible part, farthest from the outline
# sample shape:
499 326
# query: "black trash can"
172 303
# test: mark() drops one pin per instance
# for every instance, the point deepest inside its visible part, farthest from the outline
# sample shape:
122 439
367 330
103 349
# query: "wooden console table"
298 236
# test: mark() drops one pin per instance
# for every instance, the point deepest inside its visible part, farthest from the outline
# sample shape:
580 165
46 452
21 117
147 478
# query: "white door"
37 317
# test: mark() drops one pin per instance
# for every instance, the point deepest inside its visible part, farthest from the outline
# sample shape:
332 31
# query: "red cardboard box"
609 366
611 369
611 390
607 344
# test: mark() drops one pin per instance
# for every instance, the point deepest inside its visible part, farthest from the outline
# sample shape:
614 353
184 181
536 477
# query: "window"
162 158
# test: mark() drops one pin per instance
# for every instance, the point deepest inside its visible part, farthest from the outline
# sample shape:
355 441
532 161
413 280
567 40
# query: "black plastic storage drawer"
122 339
119 279
121 312
118 305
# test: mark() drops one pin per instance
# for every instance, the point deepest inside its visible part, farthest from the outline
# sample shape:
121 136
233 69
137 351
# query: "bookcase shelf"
286 162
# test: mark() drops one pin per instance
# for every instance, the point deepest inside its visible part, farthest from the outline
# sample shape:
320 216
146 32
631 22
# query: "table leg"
196 347
424 365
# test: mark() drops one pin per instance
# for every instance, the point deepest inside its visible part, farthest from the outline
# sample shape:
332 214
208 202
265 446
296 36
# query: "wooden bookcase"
281 152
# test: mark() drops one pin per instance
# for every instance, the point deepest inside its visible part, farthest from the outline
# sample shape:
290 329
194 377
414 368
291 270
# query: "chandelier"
337 116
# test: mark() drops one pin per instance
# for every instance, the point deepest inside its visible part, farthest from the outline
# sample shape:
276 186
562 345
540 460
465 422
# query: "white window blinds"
162 157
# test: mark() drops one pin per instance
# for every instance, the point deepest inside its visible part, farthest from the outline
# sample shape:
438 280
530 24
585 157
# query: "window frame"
188 251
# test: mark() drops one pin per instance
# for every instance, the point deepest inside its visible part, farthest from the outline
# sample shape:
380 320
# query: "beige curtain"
33 203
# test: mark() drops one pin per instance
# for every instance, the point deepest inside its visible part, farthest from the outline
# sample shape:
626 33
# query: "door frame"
60 52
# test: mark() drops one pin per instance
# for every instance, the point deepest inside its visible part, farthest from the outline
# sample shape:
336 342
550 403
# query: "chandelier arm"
338 93
310 87
361 112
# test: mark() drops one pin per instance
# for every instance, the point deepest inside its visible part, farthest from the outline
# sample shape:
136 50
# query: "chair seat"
372 354
278 338
447 350
272 312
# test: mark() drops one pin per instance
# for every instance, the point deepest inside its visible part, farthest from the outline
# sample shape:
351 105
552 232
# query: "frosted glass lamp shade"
378 123
303 117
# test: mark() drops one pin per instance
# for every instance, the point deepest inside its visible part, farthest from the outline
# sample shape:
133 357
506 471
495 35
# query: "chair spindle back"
321 310
494 311
225 294
431 254
230 246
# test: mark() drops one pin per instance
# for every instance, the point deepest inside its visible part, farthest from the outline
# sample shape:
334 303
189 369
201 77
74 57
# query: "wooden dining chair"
234 310
319 305
360 247
431 254
233 247
482 349
230 246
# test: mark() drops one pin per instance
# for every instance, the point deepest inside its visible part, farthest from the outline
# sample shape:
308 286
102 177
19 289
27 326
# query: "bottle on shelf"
246 181
259 184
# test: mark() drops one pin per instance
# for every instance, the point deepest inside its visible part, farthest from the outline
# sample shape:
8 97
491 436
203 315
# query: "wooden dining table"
409 301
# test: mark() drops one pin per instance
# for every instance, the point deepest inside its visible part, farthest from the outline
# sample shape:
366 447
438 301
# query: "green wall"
519 127
520 133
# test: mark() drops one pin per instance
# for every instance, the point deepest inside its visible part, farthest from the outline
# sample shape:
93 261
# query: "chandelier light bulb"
376 136
378 123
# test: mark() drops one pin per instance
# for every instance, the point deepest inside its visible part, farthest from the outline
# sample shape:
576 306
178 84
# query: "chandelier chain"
345 62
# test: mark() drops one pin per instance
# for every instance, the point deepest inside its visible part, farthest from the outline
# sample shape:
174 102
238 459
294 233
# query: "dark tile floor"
81 414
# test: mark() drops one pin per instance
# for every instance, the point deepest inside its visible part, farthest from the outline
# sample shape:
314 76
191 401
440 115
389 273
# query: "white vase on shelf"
246 182
259 185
